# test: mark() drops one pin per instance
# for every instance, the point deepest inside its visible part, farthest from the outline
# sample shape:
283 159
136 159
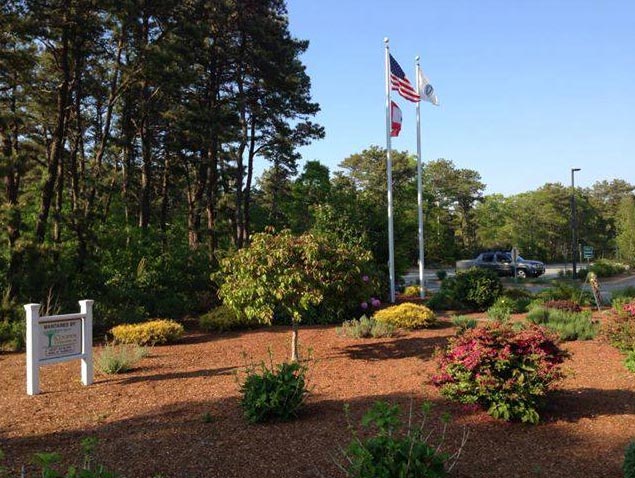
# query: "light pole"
574 223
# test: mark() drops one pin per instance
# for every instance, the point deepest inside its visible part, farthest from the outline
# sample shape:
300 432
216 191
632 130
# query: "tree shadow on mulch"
210 438
395 349
178 375
573 405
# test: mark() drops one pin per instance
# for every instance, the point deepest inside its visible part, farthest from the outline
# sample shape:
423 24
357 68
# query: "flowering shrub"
629 310
412 291
504 371
153 332
407 316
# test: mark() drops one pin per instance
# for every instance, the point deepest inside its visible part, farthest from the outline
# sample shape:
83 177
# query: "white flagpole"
391 247
422 282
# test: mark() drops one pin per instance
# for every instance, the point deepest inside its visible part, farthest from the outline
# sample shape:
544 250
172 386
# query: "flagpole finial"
386 40
417 58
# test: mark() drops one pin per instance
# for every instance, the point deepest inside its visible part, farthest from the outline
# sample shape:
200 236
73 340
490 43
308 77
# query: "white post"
86 307
391 247
422 282
32 349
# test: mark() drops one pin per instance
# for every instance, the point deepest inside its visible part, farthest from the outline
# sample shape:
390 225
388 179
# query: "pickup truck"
501 263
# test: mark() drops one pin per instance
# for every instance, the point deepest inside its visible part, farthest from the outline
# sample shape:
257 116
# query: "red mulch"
151 421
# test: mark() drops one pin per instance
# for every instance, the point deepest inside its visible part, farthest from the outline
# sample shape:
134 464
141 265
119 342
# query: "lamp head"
573 170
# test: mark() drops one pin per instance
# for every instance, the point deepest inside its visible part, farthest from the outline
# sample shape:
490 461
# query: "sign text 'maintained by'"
60 339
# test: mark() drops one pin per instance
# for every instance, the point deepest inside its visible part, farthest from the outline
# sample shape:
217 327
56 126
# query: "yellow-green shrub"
222 318
407 316
153 332
412 291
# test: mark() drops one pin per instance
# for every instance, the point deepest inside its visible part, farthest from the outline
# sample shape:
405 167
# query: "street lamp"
574 223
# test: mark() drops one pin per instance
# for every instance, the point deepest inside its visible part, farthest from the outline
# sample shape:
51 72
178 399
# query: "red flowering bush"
502 370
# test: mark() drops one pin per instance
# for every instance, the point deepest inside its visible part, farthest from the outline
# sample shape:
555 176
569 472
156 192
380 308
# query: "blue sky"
528 89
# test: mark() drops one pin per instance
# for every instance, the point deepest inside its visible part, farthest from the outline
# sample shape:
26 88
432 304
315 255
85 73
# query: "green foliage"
565 290
629 461
629 361
521 299
626 292
464 323
620 329
222 318
625 222
396 450
365 327
505 371
606 268
114 359
273 393
153 332
442 300
502 309
12 335
475 288
441 274
568 325
407 316
287 277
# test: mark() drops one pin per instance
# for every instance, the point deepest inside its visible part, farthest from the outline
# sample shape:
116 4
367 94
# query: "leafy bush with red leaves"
505 371
567 305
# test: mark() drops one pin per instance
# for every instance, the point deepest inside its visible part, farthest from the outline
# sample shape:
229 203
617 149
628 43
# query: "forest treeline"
131 134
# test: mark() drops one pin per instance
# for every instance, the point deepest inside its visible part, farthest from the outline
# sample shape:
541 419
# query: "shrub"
464 323
154 332
441 274
115 359
568 325
407 316
222 318
396 450
474 288
274 392
564 290
506 372
620 329
626 292
502 309
566 305
629 361
412 291
629 461
442 300
365 327
606 268
12 335
521 297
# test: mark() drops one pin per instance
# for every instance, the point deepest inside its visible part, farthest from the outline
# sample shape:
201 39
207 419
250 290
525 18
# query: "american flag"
399 82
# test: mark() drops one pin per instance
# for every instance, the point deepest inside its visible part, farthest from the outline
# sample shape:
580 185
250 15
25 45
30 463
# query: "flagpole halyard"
391 248
422 282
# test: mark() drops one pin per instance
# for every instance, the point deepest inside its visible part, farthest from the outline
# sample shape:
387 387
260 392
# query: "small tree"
285 276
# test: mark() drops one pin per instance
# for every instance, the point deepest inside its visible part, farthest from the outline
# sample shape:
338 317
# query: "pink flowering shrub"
629 310
502 370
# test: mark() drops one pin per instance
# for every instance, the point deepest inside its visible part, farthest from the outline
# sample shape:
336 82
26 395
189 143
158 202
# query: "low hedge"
153 332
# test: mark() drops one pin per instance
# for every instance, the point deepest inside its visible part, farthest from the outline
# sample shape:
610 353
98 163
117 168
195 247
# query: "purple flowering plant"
504 371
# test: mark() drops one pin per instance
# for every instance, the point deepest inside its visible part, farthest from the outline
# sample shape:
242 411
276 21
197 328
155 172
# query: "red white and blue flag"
399 82
395 119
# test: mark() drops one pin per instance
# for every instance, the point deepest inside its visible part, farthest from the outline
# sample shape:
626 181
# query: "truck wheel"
521 273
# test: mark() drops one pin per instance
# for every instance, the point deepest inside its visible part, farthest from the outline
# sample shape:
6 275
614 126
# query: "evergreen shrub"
568 325
474 288
407 316
506 372
222 318
629 461
153 332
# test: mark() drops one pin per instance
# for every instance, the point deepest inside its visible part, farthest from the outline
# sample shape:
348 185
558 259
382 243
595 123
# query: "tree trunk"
59 136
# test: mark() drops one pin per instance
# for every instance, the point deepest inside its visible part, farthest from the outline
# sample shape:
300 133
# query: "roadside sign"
587 252
514 255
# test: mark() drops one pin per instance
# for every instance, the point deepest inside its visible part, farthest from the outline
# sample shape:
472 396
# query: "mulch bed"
178 414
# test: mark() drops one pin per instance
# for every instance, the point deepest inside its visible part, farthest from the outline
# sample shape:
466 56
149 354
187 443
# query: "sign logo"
428 90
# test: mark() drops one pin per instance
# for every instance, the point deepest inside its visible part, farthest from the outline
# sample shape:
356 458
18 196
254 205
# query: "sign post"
58 338
514 254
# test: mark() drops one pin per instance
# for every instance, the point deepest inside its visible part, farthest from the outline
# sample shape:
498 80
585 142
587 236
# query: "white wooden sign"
58 338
